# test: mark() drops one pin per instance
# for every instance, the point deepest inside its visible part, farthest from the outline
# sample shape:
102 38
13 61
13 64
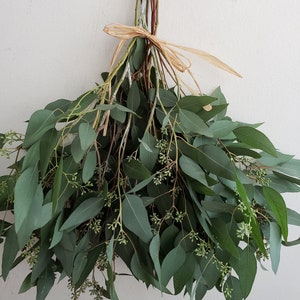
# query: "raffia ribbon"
170 51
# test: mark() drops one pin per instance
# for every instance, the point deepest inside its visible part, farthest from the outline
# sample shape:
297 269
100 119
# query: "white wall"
52 49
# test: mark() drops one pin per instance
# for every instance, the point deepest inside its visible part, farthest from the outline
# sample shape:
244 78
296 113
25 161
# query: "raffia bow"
170 51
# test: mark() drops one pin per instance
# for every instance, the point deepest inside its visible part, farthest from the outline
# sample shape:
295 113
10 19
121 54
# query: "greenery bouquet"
148 169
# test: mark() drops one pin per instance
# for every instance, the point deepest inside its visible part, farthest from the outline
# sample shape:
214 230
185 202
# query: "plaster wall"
52 49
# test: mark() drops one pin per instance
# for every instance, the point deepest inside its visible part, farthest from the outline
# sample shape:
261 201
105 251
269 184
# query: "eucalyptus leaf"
135 217
168 267
26 284
89 166
167 98
133 99
87 136
222 128
278 207
154 248
246 268
221 232
192 169
85 211
45 283
210 157
25 190
148 151
136 170
184 274
10 252
293 217
192 122
39 123
275 245
255 138
138 53
194 103
217 93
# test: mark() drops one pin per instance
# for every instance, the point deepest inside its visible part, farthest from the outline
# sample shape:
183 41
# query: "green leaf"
89 166
242 149
118 115
34 217
26 284
25 190
291 167
219 207
168 237
133 99
217 93
141 185
282 185
220 230
148 151
47 145
154 248
184 274
138 53
45 283
65 257
136 170
139 270
92 256
275 245
58 106
278 208
255 138
287 177
79 265
222 128
194 103
234 284
210 157
10 252
32 156
86 210
167 98
39 123
293 217
192 122
43 260
135 217
246 268
57 235
87 136
281 159
76 150
192 169
213 113
171 264
81 103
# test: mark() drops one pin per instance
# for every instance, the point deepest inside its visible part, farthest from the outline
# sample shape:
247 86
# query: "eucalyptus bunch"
141 170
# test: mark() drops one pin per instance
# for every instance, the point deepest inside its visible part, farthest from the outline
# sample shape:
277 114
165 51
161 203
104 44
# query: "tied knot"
170 51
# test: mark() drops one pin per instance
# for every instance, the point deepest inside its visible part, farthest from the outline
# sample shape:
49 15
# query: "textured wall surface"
52 49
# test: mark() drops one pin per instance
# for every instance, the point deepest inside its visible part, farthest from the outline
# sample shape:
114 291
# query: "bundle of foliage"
138 169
